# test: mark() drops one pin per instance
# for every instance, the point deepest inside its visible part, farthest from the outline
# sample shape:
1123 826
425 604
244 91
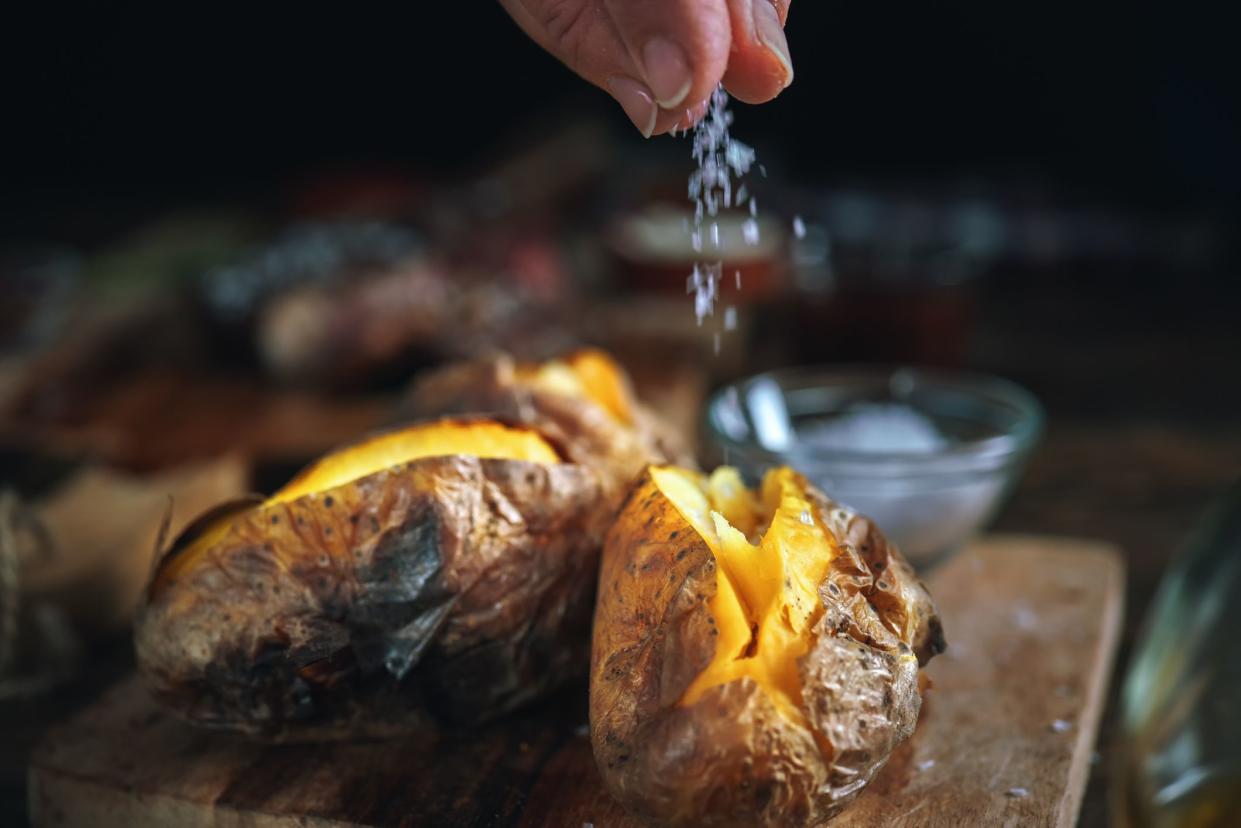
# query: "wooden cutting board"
1005 738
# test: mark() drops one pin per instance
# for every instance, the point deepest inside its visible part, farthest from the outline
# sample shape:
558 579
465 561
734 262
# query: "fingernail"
637 102
667 72
771 34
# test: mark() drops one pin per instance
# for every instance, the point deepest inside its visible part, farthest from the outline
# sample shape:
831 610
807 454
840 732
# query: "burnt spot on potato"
467 584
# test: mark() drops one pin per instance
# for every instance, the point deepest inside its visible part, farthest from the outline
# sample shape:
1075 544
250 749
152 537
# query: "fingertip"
681 48
682 120
637 101
761 66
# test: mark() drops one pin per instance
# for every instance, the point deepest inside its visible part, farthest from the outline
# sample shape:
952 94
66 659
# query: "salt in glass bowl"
864 436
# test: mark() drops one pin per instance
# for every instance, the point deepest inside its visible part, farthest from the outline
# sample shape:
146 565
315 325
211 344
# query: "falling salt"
799 227
926 764
722 160
730 318
1060 726
1017 793
704 283
750 230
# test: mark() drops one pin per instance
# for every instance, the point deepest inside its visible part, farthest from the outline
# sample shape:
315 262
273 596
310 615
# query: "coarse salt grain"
721 161
1017 793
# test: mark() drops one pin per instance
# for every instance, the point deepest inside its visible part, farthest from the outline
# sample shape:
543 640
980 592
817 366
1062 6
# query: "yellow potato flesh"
485 440
588 375
604 382
771 555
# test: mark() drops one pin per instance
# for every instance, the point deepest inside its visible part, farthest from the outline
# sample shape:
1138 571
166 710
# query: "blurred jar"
652 250
1181 703
886 279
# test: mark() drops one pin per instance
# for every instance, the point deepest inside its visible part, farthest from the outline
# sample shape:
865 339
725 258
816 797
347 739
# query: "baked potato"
448 566
584 399
756 654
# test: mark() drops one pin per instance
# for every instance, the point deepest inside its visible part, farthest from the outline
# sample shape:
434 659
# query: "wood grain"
1005 738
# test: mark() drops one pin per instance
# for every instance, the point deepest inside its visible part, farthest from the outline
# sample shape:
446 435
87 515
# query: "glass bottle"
1180 760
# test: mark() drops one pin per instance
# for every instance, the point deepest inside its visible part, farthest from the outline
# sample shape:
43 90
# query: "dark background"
123 111
112 116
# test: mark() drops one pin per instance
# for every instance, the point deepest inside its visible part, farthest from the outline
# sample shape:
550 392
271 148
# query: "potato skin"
456 583
732 758
583 428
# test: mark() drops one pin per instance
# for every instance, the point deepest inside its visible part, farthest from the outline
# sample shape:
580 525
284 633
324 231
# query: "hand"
662 59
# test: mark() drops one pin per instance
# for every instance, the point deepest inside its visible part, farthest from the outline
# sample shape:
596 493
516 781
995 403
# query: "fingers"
657 58
680 47
760 66
661 59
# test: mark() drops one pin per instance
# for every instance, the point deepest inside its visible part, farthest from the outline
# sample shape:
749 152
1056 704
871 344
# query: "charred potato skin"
352 611
588 434
732 758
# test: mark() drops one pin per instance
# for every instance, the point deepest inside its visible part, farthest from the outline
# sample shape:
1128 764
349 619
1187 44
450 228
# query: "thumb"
657 58
760 66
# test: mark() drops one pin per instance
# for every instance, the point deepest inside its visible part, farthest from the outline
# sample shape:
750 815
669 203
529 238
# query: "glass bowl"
929 455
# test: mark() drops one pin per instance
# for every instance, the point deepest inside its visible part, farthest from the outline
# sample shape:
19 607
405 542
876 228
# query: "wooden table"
1004 738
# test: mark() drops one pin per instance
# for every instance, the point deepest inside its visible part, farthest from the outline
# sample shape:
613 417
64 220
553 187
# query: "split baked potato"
584 400
756 653
447 566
